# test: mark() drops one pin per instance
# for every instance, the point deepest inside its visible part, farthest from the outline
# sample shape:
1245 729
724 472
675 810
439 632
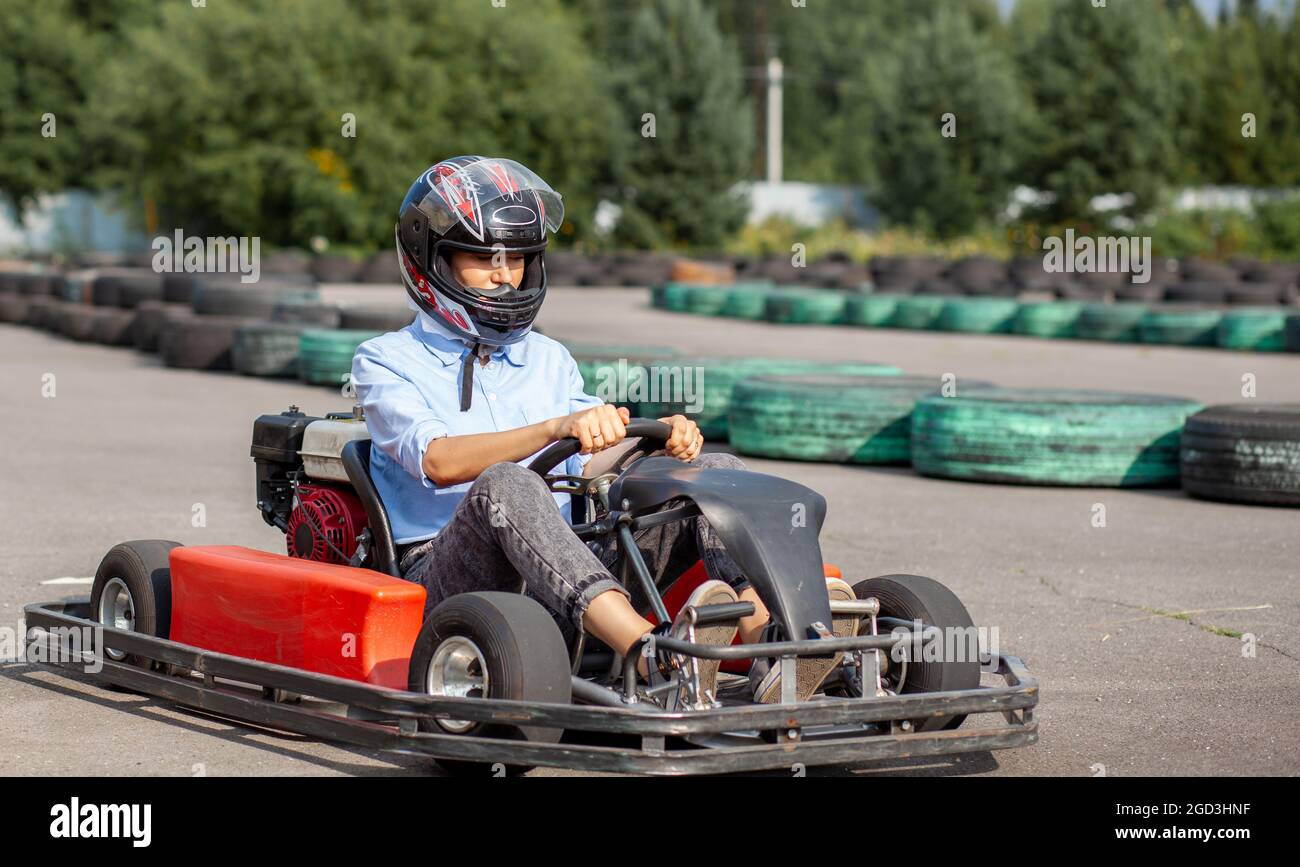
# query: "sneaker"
809 673
717 634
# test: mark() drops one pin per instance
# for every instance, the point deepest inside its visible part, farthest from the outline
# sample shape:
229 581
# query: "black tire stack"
1243 453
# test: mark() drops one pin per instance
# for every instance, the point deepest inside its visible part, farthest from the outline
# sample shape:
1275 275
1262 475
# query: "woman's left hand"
686 440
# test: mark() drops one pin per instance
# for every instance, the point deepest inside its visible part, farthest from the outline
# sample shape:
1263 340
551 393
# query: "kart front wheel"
490 645
133 591
913 598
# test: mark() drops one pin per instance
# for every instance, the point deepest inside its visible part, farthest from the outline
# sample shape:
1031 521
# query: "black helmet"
482 205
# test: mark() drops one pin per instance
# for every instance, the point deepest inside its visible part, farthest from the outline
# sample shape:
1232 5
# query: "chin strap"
467 377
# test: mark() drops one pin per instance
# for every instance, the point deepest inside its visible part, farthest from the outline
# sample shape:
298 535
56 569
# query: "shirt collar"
450 348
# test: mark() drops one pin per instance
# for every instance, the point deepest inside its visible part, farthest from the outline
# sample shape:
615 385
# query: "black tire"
383 319
314 314
151 319
200 342
1243 453
915 597
138 287
266 349
229 297
106 290
113 327
13 307
178 288
335 269
384 268
144 573
523 651
74 321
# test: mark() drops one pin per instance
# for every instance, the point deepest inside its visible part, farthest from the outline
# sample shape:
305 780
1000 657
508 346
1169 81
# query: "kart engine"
302 487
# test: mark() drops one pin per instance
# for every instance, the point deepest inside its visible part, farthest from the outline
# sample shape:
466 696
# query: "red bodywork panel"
694 577
321 617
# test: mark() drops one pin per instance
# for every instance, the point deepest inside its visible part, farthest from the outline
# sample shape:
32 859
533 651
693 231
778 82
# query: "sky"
1209 8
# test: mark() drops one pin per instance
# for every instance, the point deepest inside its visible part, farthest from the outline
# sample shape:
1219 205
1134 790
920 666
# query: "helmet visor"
510 192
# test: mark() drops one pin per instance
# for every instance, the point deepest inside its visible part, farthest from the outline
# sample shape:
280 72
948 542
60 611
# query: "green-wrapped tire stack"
325 356
977 315
829 417
1113 323
804 306
1047 318
746 300
716 377
1050 437
1244 453
614 372
267 349
1180 325
874 310
1259 329
706 300
670 296
919 311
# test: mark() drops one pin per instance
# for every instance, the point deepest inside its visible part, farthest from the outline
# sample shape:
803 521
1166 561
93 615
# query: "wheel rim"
117 610
458 669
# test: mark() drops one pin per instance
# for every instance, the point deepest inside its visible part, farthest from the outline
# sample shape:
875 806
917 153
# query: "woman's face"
487 270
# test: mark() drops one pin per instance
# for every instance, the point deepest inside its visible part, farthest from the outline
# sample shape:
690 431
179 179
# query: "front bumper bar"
824 731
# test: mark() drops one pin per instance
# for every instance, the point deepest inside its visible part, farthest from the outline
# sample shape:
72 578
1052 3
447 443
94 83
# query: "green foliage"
948 127
41 72
675 186
232 126
1100 78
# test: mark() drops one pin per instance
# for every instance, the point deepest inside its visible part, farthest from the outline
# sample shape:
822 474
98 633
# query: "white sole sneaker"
715 634
811 673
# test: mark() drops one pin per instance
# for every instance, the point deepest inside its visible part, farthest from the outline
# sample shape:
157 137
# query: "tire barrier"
325 357
977 315
1258 329
833 418
1050 437
266 349
1114 323
701 387
151 319
1047 318
200 342
1180 325
1243 453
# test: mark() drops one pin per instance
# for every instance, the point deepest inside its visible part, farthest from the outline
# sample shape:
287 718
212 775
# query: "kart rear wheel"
133 591
915 597
492 645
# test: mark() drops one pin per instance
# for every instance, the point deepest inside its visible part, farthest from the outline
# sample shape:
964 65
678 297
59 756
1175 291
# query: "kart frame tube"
794 743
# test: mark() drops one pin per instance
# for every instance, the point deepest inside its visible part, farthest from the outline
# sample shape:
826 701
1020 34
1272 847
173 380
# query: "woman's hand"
686 441
596 428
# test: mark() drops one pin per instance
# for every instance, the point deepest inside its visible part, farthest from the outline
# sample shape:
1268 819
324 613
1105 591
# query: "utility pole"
775 110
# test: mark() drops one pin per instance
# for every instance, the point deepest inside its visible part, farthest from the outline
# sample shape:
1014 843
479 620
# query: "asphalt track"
1133 628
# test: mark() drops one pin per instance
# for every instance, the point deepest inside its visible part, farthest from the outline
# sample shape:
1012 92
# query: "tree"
947 127
232 126
685 132
1099 77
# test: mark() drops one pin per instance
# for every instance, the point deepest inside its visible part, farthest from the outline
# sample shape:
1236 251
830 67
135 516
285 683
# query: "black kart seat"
383 554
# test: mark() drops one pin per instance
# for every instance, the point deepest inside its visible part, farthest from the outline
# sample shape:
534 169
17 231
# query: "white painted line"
90 580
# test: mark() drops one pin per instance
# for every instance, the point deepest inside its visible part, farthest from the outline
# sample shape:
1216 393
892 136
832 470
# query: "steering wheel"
654 435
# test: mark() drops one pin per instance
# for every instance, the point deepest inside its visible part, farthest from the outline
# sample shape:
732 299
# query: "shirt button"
492 396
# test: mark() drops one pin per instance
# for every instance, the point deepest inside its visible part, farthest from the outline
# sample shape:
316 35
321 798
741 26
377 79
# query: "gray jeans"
507 534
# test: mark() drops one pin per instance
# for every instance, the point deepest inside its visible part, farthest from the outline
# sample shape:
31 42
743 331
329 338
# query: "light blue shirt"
408 382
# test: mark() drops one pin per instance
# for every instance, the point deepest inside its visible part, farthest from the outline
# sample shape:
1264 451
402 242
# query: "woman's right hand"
597 428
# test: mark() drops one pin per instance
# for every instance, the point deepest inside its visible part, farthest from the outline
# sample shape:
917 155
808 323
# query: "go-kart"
329 641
